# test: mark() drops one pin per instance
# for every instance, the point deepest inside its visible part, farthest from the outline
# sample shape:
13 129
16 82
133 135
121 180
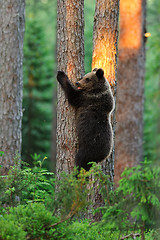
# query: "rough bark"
105 37
11 54
130 94
70 59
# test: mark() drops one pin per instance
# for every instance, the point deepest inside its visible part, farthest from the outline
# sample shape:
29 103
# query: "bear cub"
93 101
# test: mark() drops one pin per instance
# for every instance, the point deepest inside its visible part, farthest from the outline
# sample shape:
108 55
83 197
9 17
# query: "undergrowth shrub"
30 202
36 205
135 204
32 221
23 185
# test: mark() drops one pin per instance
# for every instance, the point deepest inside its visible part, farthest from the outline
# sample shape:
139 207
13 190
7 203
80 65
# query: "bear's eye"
87 80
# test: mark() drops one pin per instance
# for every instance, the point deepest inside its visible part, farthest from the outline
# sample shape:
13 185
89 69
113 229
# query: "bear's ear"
100 73
95 69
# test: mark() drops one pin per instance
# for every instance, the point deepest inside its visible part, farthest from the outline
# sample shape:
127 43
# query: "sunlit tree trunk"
11 53
105 37
130 94
70 59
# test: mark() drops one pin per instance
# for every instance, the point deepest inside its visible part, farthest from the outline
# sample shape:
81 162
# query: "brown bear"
93 101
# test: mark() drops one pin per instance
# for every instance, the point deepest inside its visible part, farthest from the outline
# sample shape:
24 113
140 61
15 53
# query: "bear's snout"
78 84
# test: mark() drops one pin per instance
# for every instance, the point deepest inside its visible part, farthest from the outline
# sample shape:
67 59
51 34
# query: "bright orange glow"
104 57
130 24
105 38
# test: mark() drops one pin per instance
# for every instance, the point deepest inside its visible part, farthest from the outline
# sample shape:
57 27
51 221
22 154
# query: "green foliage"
34 205
135 204
30 203
82 230
23 185
10 230
32 221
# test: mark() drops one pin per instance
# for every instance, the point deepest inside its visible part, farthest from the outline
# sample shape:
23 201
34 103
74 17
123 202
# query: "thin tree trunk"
158 126
105 37
11 54
54 127
70 59
130 96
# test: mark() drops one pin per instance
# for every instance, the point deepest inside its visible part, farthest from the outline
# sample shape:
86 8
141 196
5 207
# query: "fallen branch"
133 235
71 214
62 220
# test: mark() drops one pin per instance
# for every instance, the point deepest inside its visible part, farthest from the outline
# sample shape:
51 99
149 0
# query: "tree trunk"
158 125
70 59
130 94
54 127
11 47
105 37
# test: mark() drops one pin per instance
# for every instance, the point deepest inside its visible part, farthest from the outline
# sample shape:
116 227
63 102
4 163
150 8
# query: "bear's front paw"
61 76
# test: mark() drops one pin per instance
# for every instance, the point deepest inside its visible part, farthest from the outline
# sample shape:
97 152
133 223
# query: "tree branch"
133 235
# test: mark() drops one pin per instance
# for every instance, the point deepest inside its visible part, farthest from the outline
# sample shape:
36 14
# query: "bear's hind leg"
81 160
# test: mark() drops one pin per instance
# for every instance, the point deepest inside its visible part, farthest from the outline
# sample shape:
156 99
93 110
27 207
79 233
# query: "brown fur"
93 100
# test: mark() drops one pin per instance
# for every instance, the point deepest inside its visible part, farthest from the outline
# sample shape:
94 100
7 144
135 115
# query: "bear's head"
94 80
